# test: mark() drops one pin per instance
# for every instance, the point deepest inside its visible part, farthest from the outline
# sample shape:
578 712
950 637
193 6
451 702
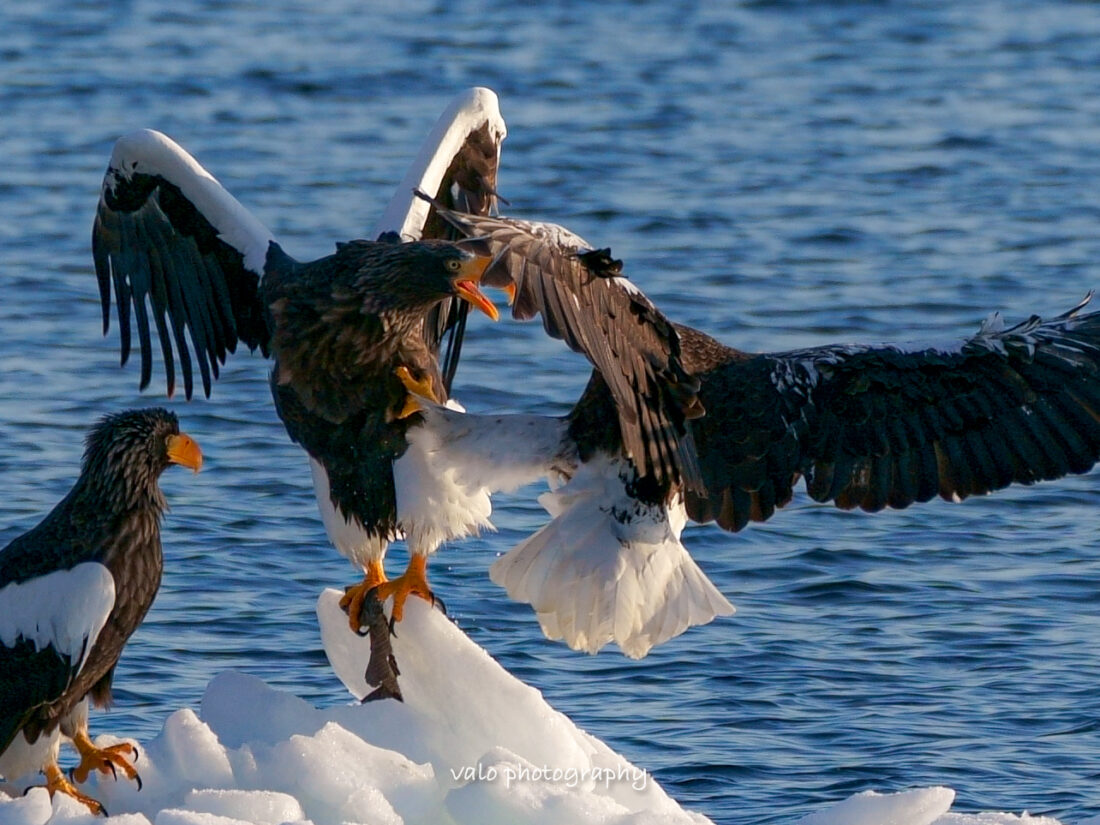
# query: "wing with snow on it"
173 243
609 568
887 426
457 164
48 625
585 301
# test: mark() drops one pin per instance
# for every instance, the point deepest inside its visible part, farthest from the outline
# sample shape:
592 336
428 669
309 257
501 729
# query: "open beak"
183 450
467 281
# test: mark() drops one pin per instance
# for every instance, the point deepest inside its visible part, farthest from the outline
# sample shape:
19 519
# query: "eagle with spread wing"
345 332
863 426
356 338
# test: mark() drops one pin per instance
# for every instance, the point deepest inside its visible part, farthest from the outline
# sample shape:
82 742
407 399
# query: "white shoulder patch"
626 285
556 235
152 153
64 610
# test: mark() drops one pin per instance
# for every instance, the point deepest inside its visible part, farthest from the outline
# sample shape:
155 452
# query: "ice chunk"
471 745
32 809
923 806
261 807
466 710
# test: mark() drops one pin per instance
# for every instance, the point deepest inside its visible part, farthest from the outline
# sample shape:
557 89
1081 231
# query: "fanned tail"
600 573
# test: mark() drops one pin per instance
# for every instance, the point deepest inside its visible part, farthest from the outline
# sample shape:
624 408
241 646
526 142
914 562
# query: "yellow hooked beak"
183 450
467 281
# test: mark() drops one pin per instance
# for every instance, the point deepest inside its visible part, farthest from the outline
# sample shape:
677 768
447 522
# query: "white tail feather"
609 569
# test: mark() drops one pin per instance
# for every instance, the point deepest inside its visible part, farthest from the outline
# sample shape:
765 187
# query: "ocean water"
777 173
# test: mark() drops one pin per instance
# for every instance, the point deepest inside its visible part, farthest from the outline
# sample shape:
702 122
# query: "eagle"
862 426
356 337
74 589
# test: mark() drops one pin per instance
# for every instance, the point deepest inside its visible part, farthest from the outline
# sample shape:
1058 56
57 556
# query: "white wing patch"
558 236
455 461
554 234
152 153
406 214
64 610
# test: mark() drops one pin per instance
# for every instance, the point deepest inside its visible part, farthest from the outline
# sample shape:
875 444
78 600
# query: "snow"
471 745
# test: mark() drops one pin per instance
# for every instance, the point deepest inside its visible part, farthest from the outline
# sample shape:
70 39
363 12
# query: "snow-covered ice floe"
470 744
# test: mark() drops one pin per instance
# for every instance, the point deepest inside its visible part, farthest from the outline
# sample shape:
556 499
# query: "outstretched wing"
457 164
584 300
886 426
175 244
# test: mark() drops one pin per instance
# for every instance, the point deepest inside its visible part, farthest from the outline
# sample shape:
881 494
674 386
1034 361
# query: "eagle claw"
56 782
354 600
104 760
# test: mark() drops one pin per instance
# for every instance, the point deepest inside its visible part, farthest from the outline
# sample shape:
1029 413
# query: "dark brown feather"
111 516
879 426
582 298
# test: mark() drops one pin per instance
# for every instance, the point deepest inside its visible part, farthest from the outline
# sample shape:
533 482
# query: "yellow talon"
417 388
57 783
411 406
414 581
105 760
354 596
423 387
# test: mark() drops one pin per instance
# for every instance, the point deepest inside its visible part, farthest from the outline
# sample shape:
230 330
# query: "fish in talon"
382 670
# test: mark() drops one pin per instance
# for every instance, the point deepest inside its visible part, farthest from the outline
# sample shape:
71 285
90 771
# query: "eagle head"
126 452
419 275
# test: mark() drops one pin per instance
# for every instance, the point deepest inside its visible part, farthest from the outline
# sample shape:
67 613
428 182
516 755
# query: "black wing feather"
584 301
469 185
29 679
886 427
162 256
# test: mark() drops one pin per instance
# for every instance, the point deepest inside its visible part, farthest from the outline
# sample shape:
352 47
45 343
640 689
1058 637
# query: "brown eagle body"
341 326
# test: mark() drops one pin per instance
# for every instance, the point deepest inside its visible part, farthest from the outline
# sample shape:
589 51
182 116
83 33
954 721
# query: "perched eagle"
74 589
865 426
355 336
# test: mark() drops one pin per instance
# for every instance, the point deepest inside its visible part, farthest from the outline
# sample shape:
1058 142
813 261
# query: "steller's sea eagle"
356 336
864 426
73 590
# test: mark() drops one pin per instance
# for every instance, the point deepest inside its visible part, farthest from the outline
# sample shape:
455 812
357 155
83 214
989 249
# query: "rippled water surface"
777 173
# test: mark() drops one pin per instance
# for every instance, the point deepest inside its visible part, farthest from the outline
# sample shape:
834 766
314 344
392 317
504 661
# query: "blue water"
777 173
